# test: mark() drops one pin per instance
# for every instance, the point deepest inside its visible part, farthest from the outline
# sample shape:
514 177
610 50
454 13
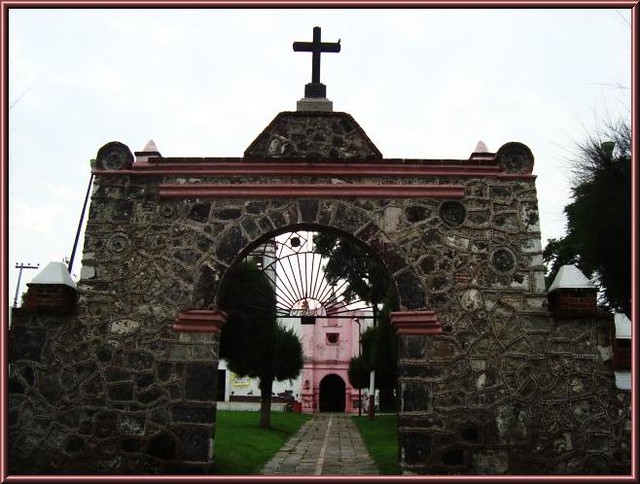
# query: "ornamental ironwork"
297 273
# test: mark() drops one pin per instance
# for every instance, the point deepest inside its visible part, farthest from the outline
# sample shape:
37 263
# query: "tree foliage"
366 276
369 281
252 341
379 353
598 238
384 349
358 372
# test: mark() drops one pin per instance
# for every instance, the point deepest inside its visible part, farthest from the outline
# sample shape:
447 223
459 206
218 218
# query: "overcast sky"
422 83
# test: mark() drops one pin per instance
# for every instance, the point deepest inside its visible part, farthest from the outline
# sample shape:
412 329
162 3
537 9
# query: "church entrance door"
332 394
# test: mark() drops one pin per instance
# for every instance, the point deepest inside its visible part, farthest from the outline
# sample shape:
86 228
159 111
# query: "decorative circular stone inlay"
453 213
167 211
503 260
114 156
118 243
515 158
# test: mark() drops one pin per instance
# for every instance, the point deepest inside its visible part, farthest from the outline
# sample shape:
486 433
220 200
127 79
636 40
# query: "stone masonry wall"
509 393
109 395
504 389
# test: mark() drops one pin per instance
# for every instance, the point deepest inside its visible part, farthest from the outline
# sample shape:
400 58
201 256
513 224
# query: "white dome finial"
150 150
55 273
150 147
570 277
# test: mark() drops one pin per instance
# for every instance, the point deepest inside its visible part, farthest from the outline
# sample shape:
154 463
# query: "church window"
332 338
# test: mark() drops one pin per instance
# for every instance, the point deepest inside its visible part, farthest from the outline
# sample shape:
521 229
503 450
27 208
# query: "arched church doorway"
332 394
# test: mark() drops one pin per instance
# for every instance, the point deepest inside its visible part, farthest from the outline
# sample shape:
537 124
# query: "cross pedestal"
314 104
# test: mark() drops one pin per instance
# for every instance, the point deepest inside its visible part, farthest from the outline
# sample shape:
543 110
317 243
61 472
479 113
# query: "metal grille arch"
296 270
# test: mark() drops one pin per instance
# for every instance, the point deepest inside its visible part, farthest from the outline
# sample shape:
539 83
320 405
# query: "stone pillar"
416 419
52 291
197 354
572 294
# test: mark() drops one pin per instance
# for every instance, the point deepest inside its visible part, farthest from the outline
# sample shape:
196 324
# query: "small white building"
622 351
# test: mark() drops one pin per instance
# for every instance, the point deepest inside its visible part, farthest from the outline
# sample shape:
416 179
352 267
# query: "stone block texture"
504 388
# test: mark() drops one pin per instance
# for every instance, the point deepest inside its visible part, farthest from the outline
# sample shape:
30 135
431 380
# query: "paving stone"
344 454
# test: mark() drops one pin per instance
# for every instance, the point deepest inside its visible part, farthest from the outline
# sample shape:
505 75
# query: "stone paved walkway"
328 444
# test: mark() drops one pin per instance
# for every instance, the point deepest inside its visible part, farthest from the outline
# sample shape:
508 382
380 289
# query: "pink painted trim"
300 190
307 170
227 168
416 322
200 320
471 168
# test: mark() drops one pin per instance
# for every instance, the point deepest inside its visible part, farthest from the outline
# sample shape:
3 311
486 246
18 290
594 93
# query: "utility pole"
20 265
372 375
357 321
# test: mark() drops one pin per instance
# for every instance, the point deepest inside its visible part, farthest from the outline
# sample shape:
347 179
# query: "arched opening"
328 322
332 394
327 313
291 259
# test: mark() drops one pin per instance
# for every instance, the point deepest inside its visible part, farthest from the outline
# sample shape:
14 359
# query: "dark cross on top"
317 47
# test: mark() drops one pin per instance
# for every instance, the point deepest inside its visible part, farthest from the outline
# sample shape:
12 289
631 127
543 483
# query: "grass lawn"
380 436
241 447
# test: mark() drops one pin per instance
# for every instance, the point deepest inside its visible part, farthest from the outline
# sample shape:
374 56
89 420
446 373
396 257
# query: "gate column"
415 330
196 353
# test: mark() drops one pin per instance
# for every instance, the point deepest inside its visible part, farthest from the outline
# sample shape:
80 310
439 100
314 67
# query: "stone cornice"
305 190
415 322
200 320
215 167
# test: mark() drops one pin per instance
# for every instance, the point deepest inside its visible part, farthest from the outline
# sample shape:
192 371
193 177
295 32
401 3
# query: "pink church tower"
328 346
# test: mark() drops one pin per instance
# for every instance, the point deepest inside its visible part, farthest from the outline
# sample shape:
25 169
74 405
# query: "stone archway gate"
478 386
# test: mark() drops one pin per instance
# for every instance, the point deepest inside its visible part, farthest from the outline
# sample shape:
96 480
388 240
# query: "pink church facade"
328 346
